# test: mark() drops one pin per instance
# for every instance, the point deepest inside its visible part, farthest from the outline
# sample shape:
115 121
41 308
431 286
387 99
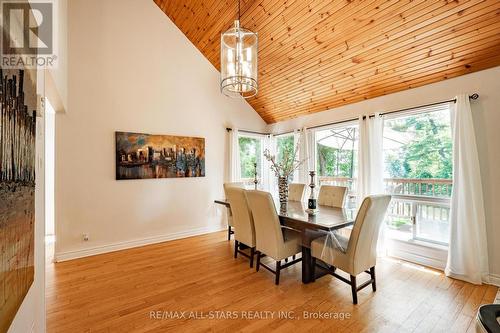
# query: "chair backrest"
229 185
242 218
362 246
296 192
333 196
234 184
269 237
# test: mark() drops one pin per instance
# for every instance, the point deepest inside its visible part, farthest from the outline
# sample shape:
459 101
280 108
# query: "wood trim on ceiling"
319 54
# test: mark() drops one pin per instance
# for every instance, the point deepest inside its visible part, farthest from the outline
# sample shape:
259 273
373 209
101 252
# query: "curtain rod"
474 96
288 132
260 133
247 131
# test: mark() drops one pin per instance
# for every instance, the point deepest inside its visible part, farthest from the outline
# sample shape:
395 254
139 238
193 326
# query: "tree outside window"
418 163
285 145
250 153
336 152
418 146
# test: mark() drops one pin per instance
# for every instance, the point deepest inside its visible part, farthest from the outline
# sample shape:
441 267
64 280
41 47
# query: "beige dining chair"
296 192
244 232
272 239
229 215
360 248
332 196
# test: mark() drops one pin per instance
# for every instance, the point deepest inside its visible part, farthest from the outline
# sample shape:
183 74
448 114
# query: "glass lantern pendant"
238 62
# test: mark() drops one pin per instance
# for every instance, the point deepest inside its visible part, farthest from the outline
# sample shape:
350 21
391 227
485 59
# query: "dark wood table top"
327 218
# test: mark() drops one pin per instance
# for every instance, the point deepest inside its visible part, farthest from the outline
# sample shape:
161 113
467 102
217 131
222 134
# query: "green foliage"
398 222
284 145
285 151
333 162
250 153
428 154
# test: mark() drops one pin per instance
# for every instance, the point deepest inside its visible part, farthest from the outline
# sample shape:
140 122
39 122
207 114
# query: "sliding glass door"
418 173
336 155
251 156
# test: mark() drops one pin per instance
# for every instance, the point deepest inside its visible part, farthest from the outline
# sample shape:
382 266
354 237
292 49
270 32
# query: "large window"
250 156
285 146
337 157
418 172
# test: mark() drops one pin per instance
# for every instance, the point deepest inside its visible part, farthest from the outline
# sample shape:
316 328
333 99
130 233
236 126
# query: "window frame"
260 170
275 145
314 132
419 200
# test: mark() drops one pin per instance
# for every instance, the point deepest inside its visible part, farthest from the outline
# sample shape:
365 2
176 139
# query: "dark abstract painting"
17 190
143 156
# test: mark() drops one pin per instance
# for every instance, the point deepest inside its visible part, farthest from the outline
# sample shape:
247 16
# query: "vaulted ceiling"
315 55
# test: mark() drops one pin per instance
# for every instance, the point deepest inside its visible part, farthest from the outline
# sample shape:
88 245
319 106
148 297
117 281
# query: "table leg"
306 265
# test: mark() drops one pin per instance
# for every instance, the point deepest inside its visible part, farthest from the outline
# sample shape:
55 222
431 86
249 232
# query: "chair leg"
313 269
278 268
372 275
257 266
236 245
252 254
229 233
354 290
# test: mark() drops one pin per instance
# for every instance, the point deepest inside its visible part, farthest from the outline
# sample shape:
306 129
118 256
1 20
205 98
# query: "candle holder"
312 207
255 180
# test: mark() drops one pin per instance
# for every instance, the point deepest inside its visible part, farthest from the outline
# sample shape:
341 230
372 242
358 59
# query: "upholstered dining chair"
229 215
332 196
296 192
244 232
358 253
272 239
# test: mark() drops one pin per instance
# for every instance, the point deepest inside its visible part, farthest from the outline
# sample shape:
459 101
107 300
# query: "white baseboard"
495 280
70 255
429 256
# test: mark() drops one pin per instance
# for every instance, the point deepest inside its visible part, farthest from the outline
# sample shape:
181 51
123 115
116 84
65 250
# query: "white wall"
486 113
50 123
131 69
57 76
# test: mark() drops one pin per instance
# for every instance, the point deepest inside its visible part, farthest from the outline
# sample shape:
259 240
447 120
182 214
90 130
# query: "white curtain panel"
303 155
234 156
306 153
297 137
467 253
268 181
371 166
370 159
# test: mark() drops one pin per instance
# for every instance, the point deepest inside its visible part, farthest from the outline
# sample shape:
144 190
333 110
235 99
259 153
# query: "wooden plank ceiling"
315 55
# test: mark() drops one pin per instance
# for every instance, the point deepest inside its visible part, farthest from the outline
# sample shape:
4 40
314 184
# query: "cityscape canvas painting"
17 189
144 156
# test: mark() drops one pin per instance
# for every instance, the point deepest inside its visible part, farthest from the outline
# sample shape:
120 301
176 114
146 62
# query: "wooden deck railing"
414 201
403 186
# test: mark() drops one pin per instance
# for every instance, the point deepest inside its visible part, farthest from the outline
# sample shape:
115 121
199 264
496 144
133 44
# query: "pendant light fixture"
238 61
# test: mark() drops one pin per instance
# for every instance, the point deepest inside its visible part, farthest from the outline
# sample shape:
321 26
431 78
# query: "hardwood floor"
118 292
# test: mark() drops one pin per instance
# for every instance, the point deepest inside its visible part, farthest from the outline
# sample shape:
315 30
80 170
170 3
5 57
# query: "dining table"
326 219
